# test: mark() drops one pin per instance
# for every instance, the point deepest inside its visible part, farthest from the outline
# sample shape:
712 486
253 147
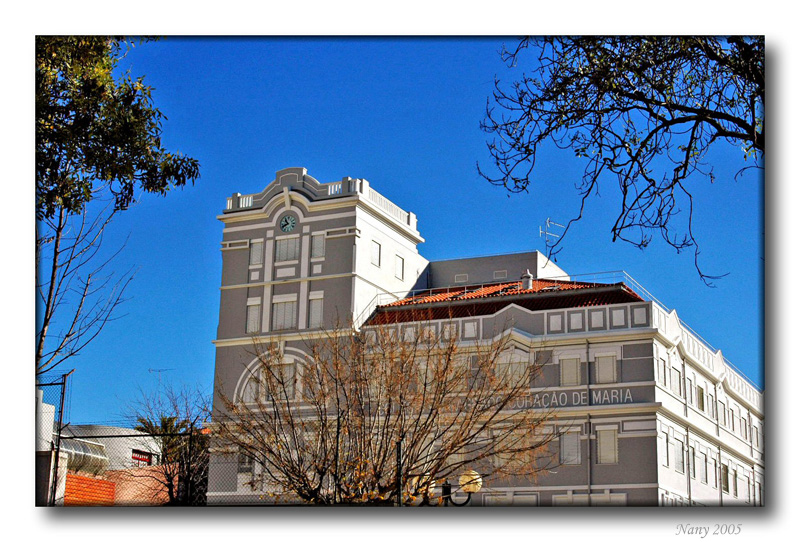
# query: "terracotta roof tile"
477 300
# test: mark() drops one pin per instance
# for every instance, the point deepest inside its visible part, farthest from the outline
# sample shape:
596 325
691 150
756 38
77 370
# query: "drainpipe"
688 460
588 430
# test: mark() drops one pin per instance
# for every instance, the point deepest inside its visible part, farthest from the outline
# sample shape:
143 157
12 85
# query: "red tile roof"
477 300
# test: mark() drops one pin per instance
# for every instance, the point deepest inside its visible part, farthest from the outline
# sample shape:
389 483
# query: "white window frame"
256 257
601 433
399 267
605 375
375 255
570 448
287 249
680 458
253 316
315 308
286 320
317 246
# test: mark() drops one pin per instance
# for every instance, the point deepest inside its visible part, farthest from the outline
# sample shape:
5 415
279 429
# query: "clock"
288 223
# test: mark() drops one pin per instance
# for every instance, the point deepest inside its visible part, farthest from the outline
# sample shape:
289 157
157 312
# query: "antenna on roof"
550 238
159 371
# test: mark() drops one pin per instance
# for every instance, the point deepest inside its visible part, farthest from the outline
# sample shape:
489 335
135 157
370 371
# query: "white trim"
316 294
284 298
253 301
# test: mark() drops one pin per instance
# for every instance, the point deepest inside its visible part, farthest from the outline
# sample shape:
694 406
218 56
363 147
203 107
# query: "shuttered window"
253 319
606 369
287 249
725 479
570 448
680 463
284 315
256 253
314 313
607 446
317 246
570 371
675 382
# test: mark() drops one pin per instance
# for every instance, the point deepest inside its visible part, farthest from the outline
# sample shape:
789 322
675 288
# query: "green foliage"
642 111
95 132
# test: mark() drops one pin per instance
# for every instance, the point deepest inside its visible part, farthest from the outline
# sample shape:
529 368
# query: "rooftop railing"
698 347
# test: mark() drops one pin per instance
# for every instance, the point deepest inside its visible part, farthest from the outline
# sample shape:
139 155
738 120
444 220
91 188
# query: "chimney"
527 280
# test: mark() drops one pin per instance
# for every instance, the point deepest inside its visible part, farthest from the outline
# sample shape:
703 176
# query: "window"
690 391
285 385
376 253
703 468
251 390
245 463
662 372
679 457
665 449
675 382
692 469
463 277
716 471
315 313
141 458
256 253
512 367
606 369
253 319
735 483
399 267
318 246
287 250
724 479
606 446
284 315
570 371
701 398
569 444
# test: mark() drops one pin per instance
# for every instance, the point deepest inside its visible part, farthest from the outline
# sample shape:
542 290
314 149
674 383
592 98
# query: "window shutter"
253 315
315 313
317 246
570 372
607 446
256 253
570 448
606 369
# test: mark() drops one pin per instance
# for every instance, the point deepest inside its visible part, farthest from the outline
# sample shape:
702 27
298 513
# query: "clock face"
288 222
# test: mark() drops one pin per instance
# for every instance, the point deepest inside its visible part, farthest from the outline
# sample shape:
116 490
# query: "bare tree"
177 420
76 292
641 112
371 415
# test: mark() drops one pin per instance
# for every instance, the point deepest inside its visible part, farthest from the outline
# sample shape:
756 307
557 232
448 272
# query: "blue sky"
403 113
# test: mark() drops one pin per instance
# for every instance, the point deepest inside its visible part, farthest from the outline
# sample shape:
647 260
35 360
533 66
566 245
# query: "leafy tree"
177 419
643 111
368 416
98 137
